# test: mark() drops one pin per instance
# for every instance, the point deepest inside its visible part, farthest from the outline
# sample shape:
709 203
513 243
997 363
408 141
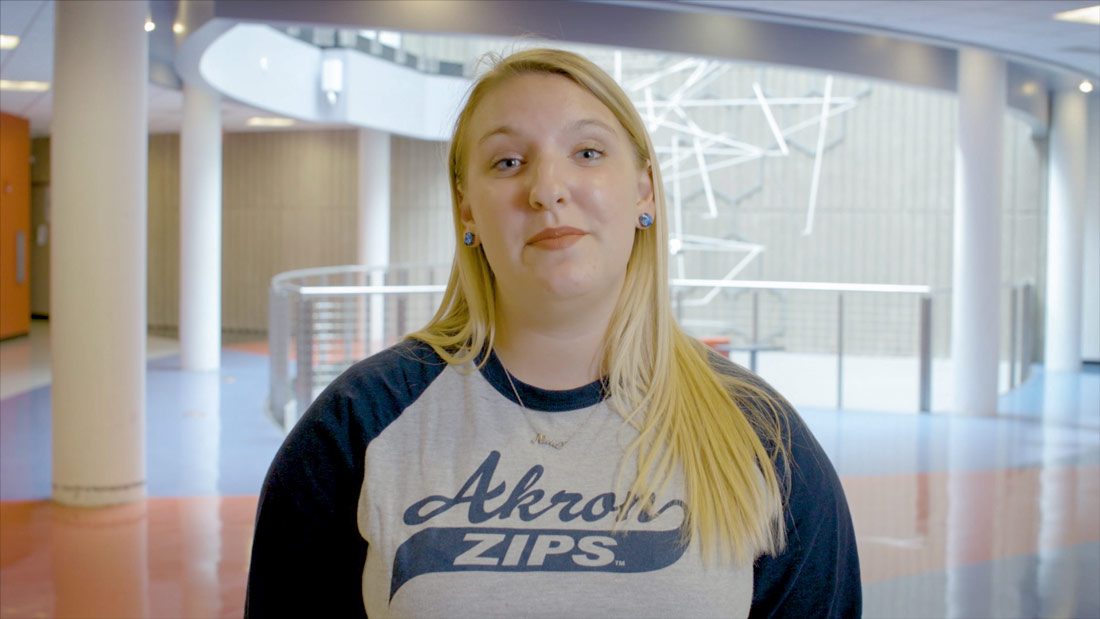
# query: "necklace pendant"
542 439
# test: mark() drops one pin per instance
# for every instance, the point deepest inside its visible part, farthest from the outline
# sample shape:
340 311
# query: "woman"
552 444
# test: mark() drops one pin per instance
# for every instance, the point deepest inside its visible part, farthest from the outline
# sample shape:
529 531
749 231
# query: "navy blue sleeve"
307 552
817 574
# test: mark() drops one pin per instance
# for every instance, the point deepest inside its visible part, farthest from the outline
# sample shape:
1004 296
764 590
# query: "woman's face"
552 189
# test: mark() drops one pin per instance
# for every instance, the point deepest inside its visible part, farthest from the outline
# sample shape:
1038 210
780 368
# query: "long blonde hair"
659 378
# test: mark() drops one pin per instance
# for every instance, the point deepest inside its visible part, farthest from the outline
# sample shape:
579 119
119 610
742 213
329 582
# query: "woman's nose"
548 186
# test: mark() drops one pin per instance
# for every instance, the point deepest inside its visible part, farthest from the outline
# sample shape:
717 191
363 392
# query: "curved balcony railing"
857 346
322 320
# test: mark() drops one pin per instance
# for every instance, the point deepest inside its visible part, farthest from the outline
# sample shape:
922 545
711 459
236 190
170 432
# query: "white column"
374 221
1090 285
99 163
976 276
200 230
1065 217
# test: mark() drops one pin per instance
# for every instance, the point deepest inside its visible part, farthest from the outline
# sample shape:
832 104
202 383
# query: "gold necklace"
541 438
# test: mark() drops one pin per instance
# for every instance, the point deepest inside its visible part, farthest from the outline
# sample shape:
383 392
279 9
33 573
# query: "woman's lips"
556 238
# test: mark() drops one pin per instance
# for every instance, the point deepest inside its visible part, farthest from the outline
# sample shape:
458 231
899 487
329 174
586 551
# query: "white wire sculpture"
689 153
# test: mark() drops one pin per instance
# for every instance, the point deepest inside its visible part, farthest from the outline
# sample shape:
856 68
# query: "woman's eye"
590 154
507 163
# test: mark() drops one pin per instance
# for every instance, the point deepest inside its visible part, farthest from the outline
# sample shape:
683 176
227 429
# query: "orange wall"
15 218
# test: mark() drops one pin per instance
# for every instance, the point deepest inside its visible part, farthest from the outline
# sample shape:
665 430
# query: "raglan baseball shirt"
411 488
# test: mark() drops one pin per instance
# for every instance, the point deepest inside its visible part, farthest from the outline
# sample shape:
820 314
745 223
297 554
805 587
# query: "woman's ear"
465 213
645 190
466 216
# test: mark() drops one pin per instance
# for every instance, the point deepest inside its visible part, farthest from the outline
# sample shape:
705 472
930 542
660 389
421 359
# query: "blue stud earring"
468 239
645 220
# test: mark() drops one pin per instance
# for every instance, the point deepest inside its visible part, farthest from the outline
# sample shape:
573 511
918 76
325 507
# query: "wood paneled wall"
40 227
164 233
288 202
422 228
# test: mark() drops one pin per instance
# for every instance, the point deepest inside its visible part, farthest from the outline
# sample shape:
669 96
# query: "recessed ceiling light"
177 28
8 41
262 121
1085 86
1086 15
150 26
1030 88
24 86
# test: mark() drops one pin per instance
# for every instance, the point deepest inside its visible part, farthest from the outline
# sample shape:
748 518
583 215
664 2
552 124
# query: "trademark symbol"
620 563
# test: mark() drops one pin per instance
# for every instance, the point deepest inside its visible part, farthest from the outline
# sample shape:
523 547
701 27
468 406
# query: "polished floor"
956 516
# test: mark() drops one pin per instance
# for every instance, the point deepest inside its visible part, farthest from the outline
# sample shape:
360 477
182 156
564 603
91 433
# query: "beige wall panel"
289 201
164 232
40 227
421 221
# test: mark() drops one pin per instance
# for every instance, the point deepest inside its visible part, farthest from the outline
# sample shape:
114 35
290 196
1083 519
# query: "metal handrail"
924 329
817 286
331 317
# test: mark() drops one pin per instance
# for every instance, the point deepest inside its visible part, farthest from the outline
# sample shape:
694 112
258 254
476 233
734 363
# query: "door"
15 225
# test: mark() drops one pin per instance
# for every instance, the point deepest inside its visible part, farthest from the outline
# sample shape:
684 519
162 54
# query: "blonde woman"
552 443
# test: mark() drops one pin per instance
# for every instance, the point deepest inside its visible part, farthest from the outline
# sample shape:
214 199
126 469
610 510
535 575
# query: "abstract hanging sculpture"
674 98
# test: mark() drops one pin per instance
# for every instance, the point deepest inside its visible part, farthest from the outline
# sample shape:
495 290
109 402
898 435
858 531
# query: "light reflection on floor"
163 557
956 516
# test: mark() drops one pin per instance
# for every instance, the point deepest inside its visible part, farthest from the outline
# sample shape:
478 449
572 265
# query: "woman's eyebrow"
501 130
572 127
584 123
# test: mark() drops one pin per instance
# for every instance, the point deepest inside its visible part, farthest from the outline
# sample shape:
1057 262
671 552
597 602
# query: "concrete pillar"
1065 219
1090 285
374 222
200 230
976 276
99 163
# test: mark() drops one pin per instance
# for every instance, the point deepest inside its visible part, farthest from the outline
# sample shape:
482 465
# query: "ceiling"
32 21
1017 29
1022 31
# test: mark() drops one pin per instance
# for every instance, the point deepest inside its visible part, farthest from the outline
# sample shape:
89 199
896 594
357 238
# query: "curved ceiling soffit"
687 32
264 68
